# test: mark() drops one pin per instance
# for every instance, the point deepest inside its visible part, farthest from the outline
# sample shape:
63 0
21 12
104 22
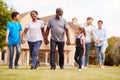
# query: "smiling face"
59 13
100 24
34 15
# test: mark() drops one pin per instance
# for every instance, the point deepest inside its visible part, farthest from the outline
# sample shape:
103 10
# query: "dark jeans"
34 49
78 56
11 50
53 45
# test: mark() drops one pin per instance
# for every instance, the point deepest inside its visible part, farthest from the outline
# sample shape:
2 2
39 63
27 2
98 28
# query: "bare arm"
84 48
7 34
43 33
46 35
23 34
67 35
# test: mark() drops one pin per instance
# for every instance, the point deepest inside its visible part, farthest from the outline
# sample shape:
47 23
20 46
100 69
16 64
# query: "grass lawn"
44 73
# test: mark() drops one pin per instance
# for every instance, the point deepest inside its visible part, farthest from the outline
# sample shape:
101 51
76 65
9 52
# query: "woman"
101 43
35 31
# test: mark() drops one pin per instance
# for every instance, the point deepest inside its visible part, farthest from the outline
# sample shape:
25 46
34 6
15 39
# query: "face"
89 21
100 25
78 31
59 14
17 17
33 15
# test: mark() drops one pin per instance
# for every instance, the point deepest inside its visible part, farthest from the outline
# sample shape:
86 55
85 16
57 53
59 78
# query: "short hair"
89 18
34 12
14 14
100 21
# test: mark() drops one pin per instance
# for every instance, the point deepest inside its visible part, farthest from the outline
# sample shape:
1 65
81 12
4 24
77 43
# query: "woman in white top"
35 29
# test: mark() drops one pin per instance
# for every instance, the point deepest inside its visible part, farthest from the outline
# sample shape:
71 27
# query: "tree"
113 52
5 16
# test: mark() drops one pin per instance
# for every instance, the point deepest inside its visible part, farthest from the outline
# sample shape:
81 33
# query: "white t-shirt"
34 30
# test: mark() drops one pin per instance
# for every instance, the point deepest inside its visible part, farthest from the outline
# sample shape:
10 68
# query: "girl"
101 43
80 46
35 29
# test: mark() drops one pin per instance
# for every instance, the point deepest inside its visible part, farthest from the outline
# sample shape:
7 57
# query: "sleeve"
65 25
20 27
94 34
8 26
28 25
42 24
49 24
105 35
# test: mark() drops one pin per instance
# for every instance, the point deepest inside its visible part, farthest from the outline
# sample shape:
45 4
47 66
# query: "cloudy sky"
107 10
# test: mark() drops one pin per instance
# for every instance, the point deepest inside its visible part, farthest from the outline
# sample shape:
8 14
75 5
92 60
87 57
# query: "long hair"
83 30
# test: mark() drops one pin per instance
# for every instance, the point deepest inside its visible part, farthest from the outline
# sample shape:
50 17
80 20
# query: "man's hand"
97 41
46 41
22 41
68 42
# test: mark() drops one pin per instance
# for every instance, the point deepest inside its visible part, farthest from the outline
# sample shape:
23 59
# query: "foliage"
114 44
5 16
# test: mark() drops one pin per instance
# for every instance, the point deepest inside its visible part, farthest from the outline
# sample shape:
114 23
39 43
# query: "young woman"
101 43
80 46
35 29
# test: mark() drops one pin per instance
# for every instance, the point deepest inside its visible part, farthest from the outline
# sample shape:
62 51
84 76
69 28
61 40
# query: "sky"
106 10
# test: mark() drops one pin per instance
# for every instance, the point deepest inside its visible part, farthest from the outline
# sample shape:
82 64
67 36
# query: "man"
89 28
58 26
13 39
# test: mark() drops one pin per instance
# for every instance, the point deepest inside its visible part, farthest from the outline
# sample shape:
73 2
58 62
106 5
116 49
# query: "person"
101 43
35 29
89 28
58 26
80 46
13 39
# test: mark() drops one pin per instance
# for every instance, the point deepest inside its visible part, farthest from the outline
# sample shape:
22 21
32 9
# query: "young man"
58 26
13 39
89 28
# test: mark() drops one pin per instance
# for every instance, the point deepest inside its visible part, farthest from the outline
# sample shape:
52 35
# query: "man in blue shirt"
13 39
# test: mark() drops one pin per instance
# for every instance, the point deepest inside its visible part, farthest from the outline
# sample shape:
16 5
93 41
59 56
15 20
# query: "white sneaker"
79 69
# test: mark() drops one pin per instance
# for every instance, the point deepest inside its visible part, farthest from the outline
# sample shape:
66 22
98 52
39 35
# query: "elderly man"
58 26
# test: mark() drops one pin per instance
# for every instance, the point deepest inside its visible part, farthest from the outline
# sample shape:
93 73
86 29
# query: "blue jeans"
34 49
11 50
53 45
85 60
100 51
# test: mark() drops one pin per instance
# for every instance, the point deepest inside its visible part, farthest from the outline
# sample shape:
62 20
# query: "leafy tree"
5 16
113 51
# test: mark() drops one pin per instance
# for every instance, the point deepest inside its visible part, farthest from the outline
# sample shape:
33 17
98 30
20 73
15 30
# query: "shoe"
31 68
79 69
10 68
16 67
52 68
61 67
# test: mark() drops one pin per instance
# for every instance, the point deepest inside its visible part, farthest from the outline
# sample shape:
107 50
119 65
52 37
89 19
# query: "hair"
14 14
34 12
89 18
100 21
82 29
58 10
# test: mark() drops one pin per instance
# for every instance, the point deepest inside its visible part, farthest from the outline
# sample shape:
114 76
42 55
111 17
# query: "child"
80 46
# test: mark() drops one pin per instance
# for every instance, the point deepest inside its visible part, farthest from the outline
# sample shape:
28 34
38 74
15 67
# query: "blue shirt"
14 32
101 35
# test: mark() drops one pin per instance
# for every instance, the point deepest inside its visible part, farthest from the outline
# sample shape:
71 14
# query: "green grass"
44 73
